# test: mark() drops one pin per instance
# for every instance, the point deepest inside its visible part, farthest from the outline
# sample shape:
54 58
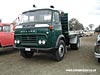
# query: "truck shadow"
5 51
43 56
46 56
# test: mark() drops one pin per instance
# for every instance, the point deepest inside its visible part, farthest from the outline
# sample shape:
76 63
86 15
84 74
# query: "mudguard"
59 38
74 40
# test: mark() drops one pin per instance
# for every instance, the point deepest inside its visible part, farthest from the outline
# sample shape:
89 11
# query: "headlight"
43 42
40 42
15 41
18 41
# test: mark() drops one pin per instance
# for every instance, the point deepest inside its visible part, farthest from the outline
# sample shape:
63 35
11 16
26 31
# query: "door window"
6 28
56 17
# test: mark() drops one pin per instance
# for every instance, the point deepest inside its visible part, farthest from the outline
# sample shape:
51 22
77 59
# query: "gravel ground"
11 63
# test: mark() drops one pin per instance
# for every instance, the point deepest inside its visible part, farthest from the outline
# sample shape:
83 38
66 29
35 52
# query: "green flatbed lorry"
44 30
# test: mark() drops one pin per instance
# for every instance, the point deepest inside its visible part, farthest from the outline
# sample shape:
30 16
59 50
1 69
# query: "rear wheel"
75 46
26 54
59 54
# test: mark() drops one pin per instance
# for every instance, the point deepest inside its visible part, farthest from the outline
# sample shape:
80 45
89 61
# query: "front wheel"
59 54
26 54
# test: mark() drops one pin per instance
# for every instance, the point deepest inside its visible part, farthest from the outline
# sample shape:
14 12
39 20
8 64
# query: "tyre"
59 54
98 60
26 54
75 46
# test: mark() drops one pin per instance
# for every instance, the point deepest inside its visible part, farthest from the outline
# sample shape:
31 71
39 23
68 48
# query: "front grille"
29 39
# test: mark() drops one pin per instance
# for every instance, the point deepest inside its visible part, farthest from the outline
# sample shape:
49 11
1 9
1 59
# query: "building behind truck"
45 30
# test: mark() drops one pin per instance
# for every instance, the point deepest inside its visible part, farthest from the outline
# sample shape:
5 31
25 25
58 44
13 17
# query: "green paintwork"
30 39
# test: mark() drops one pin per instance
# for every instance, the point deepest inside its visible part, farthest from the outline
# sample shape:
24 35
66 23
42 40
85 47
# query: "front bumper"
43 50
97 55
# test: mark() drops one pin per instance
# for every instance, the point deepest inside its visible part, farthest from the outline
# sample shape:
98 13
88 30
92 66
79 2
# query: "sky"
86 11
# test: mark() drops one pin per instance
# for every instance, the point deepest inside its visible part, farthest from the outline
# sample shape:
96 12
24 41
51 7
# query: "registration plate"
27 49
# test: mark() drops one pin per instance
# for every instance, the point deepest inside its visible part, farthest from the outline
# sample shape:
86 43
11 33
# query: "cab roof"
5 24
39 9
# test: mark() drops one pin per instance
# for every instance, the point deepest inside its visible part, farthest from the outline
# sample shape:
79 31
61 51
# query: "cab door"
8 35
56 23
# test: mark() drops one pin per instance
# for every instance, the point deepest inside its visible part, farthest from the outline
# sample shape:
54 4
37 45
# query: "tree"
97 29
74 24
91 26
87 28
81 27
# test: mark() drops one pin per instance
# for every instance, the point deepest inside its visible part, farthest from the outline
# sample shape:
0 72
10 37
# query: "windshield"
36 16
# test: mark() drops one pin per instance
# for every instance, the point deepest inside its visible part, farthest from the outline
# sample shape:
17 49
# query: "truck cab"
42 30
6 35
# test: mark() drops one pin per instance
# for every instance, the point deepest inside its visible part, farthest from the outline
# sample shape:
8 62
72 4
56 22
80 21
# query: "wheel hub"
61 50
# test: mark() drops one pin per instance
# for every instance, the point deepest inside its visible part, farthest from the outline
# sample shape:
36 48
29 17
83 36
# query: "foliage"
87 28
74 24
91 26
97 29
